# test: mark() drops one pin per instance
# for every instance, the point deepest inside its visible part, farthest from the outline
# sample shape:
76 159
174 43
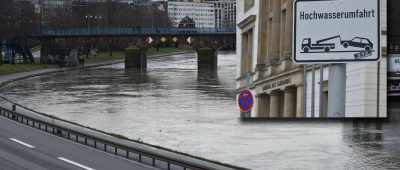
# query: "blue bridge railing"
134 31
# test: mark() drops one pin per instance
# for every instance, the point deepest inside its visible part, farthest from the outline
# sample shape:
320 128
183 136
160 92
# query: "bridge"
205 41
136 31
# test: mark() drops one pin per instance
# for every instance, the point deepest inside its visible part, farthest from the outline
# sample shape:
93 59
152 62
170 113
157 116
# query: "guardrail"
98 143
135 31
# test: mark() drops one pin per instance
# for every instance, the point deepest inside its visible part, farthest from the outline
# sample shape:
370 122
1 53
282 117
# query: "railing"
134 31
98 143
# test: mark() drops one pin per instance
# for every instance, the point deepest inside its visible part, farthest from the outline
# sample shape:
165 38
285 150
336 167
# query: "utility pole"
110 11
40 17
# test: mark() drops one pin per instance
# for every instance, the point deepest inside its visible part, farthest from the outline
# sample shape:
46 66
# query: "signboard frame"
294 38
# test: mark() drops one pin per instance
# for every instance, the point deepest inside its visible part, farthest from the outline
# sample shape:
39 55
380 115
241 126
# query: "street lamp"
98 21
88 18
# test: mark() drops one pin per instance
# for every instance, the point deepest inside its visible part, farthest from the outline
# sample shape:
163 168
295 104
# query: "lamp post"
98 20
90 17
87 18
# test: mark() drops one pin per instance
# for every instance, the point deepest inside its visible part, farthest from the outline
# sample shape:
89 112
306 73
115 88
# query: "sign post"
336 32
189 40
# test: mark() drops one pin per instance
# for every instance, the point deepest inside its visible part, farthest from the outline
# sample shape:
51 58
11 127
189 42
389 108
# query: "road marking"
77 144
22 143
76 164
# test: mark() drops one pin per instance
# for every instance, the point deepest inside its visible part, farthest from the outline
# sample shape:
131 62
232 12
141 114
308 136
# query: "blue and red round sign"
246 100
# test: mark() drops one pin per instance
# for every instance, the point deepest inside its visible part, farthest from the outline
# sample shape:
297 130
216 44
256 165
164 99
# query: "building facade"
201 13
393 60
225 13
136 2
283 88
54 11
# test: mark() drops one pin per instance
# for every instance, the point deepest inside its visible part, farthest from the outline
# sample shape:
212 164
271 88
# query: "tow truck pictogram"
321 46
307 46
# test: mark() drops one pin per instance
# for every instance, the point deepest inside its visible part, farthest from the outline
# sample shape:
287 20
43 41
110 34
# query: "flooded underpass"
174 105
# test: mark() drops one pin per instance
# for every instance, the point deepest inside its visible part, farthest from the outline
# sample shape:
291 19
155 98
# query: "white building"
201 13
225 13
51 9
135 2
264 64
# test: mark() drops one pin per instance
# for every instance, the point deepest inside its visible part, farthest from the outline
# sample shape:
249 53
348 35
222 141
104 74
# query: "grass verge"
101 57
22 67
104 56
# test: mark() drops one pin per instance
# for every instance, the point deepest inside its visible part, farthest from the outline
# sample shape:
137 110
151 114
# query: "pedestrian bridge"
136 31
205 41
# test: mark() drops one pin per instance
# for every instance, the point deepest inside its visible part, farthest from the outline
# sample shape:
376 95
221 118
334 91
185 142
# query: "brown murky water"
175 106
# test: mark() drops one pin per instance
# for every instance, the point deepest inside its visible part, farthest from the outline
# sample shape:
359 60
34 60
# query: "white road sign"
189 40
149 40
336 31
394 63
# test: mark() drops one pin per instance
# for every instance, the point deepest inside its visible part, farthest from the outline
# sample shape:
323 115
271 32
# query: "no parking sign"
246 100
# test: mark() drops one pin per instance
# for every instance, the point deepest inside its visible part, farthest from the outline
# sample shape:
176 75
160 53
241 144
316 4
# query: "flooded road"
174 105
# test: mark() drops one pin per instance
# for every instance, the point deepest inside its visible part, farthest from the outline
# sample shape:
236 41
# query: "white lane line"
76 164
22 143
84 146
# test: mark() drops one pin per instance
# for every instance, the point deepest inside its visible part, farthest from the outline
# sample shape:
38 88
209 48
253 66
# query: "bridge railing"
118 149
134 31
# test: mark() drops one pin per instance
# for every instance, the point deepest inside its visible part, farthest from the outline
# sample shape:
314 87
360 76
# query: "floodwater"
174 105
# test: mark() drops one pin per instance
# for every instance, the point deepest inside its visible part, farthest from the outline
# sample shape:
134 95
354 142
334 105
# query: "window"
283 28
356 40
247 52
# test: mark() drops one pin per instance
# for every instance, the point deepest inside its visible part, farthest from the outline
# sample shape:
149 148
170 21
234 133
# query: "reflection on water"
173 105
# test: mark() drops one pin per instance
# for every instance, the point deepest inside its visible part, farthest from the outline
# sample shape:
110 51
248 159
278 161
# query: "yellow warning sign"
175 39
163 39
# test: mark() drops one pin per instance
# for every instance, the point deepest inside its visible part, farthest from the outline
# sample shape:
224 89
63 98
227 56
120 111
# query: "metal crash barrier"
102 144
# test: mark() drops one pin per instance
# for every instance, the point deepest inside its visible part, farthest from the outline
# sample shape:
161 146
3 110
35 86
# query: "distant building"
136 2
51 9
187 23
201 13
225 13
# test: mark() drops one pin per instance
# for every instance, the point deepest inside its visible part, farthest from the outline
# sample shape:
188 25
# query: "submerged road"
22 147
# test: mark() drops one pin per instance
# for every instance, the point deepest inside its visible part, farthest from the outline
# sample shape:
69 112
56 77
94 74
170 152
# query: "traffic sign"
163 39
175 39
149 40
246 100
336 31
189 40
37 8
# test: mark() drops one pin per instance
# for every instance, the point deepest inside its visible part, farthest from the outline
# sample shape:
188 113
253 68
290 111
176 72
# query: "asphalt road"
22 147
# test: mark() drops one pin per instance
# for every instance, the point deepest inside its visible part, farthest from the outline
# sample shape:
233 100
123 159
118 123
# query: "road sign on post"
336 31
149 40
246 100
189 40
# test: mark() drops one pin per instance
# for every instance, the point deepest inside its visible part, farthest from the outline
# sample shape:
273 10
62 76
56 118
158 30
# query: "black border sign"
324 50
